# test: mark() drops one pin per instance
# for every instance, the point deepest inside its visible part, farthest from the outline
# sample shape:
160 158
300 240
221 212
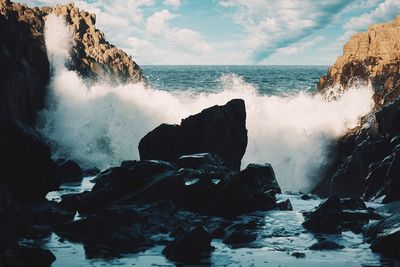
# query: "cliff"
27 167
365 163
373 55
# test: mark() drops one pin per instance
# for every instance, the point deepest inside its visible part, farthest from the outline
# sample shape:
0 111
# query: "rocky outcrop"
92 55
219 129
370 56
364 163
26 165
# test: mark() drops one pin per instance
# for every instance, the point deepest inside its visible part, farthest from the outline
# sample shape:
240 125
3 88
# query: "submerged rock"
218 129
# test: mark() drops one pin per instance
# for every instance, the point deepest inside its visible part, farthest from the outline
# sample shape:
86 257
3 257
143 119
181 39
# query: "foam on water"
102 124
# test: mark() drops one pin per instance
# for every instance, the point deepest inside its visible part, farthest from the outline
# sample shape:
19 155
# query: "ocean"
269 80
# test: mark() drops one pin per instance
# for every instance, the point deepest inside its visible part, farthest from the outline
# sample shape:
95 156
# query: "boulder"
384 236
190 247
8 209
70 171
326 245
334 214
219 129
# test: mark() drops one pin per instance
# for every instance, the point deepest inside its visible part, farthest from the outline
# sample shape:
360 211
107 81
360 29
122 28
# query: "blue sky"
277 32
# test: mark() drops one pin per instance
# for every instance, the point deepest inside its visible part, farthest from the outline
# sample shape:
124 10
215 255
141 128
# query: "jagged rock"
384 236
190 247
70 171
372 55
334 215
218 129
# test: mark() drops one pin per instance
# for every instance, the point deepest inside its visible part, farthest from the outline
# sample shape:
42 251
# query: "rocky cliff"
373 55
366 160
27 168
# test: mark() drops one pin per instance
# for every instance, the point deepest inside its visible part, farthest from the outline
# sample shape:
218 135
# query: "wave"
102 124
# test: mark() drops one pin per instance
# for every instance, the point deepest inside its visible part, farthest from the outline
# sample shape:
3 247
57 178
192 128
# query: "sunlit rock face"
373 55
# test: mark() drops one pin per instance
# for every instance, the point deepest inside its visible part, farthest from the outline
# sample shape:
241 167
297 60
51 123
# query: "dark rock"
43 213
384 236
218 129
298 255
32 256
70 171
239 236
8 209
326 245
388 119
336 214
195 161
326 217
27 168
190 247
285 205
246 191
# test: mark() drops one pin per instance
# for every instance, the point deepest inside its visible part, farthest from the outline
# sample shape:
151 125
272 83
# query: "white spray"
102 124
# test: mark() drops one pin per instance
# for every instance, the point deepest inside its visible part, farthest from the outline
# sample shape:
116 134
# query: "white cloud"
270 25
186 39
297 47
382 13
173 3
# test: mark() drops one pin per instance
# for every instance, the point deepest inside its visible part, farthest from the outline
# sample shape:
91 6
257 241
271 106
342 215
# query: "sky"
266 32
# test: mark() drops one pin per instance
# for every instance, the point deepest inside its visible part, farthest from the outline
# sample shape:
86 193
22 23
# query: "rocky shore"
187 189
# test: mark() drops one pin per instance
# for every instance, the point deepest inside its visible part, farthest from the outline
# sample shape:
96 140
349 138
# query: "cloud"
383 12
298 47
270 25
183 38
174 3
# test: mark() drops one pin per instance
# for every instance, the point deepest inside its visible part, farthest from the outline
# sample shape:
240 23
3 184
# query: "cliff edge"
366 162
370 56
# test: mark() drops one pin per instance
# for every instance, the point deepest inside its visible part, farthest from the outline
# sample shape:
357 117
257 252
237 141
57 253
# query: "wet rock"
326 217
336 214
285 205
199 160
384 236
298 255
191 246
218 129
70 171
246 191
43 213
239 236
8 209
326 245
32 256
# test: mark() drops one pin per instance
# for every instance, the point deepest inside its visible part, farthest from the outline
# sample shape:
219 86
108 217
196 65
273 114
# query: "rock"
247 191
372 55
190 247
326 245
335 214
218 129
27 168
285 205
238 237
32 256
200 160
325 218
8 209
384 236
298 255
43 213
70 171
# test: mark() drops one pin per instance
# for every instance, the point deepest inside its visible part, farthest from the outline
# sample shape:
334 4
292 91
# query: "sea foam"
102 124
